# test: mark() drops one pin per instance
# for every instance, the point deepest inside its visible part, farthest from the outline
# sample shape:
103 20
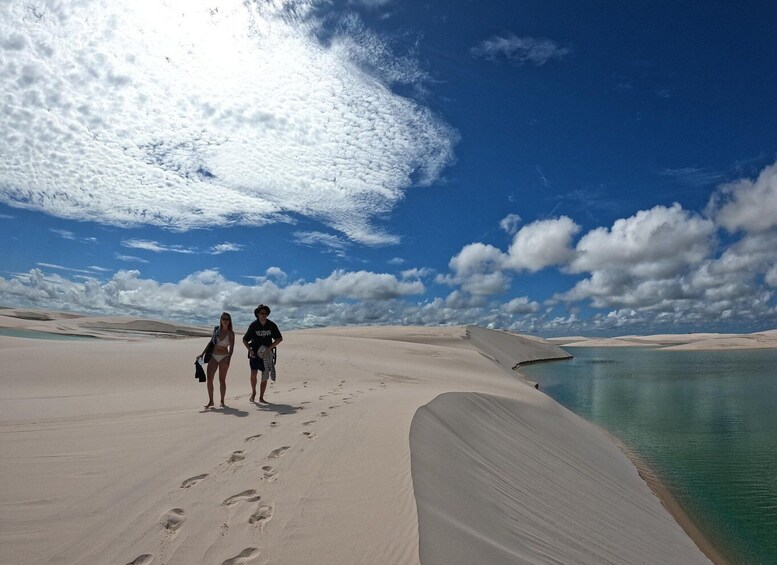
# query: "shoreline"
664 494
656 485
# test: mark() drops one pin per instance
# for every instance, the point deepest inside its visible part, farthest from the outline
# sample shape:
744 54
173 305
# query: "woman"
261 338
223 345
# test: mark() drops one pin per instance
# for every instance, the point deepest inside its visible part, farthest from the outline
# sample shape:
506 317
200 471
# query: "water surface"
30 334
705 422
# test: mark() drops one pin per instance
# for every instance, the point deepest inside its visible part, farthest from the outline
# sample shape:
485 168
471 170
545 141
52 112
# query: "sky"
545 167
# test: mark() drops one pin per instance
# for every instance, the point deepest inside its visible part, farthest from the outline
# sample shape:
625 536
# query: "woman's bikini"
221 345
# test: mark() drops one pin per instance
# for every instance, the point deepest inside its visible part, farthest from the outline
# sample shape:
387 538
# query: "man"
261 338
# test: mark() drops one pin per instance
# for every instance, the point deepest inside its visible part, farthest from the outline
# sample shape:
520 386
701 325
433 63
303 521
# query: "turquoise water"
41 335
705 422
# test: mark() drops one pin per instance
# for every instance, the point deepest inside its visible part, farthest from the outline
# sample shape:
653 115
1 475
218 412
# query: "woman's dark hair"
260 308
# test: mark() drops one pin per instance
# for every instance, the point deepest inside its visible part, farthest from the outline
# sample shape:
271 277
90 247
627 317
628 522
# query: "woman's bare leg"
211 373
223 368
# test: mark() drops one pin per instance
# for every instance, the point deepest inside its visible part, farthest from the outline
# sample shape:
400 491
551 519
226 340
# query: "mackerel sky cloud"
541 170
194 114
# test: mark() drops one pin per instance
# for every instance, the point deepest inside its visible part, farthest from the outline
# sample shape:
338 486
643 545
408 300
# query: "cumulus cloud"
747 205
520 50
225 247
542 243
187 115
483 269
521 305
658 242
126 292
477 258
644 261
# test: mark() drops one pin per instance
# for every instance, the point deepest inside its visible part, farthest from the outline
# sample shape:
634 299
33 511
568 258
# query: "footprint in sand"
273 424
172 520
236 456
323 414
310 435
248 495
144 559
248 554
261 516
269 473
252 438
275 453
190 482
334 406
308 422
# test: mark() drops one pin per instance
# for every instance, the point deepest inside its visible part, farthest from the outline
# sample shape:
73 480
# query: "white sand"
688 342
374 434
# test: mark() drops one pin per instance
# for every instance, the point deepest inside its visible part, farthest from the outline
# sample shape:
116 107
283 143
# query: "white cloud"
659 242
129 258
370 3
331 242
156 247
695 176
225 247
521 305
66 234
510 223
542 243
359 298
520 49
482 269
183 115
417 273
199 293
747 205
477 258
771 276
277 274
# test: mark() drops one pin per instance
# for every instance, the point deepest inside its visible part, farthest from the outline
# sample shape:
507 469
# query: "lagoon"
32 334
705 423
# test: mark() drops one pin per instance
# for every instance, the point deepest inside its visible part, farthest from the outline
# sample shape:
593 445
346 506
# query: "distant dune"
694 341
108 327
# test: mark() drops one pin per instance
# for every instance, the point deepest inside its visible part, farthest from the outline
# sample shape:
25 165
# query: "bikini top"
223 342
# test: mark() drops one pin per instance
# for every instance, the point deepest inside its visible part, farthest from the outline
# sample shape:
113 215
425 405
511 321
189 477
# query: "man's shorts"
256 364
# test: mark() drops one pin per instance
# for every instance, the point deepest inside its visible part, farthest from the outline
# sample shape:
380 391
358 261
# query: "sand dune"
689 342
381 445
107 327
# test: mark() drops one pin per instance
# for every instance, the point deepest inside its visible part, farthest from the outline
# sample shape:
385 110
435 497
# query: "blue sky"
549 167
